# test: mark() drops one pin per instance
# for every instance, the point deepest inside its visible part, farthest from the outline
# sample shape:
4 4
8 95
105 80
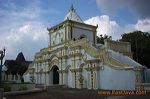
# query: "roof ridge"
72 15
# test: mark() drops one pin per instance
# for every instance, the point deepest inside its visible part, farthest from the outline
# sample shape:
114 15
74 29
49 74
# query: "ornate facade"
73 58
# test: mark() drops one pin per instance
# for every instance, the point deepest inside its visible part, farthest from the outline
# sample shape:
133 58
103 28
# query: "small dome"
72 15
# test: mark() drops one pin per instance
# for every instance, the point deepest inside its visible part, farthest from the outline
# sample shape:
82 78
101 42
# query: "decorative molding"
75 55
62 71
97 68
76 69
92 61
52 63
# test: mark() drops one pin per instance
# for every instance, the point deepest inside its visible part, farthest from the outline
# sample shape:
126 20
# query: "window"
53 43
82 36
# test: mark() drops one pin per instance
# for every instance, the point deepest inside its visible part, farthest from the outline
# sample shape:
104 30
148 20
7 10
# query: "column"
50 78
73 80
60 78
63 74
66 79
47 78
92 81
138 78
95 80
89 80
37 78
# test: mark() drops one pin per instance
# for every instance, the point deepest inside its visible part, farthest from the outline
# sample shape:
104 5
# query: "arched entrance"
55 75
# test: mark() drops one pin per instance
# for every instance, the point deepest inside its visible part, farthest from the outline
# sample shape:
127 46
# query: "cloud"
109 6
28 38
23 28
143 25
112 28
140 7
105 26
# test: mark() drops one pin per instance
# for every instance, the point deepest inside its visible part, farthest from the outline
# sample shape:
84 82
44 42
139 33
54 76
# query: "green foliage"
140 46
21 69
9 82
15 67
101 38
12 67
22 88
6 87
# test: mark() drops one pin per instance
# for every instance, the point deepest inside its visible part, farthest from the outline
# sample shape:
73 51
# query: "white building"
73 58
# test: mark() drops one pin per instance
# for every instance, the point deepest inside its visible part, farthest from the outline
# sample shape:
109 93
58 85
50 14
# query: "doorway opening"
55 75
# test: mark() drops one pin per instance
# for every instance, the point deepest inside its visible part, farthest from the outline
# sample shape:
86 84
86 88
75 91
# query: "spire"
72 8
72 15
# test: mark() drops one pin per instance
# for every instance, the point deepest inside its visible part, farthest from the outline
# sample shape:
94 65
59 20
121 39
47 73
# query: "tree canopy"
101 38
18 66
140 46
15 67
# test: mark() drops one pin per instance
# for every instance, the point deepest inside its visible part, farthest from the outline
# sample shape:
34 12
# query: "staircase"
86 45
97 53
57 86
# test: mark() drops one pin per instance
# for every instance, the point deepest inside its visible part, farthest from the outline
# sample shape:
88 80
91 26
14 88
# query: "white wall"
117 79
26 77
69 79
78 32
85 76
57 36
147 75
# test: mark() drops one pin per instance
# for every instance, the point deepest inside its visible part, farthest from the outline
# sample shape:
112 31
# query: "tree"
22 69
101 38
140 46
12 67
15 68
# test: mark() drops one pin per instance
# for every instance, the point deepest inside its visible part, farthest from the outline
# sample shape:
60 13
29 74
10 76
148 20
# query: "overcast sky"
23 23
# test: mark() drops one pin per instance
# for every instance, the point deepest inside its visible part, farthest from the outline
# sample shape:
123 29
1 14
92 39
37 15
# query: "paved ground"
66 93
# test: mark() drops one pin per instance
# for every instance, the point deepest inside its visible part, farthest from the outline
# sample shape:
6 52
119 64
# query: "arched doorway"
55 75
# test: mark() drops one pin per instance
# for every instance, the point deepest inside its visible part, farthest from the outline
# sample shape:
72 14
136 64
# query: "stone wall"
121 47
16 87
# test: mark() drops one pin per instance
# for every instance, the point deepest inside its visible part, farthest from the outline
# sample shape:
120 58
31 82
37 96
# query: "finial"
72 8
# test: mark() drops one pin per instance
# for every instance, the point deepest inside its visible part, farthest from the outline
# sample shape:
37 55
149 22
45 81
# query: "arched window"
82 36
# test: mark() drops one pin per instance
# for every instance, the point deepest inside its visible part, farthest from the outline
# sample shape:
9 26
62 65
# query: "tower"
72 28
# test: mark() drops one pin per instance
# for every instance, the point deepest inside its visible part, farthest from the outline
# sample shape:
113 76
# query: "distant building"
7 71
73 58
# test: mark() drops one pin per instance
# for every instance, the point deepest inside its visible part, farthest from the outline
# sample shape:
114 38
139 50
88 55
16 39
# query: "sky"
24 23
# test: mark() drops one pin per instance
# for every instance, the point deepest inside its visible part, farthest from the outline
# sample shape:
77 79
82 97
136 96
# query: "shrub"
22 88
6 87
